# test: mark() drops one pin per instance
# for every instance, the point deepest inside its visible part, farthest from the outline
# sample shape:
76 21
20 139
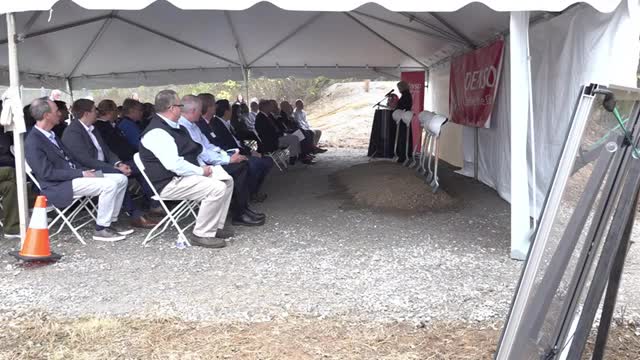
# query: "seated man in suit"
226 138
233 163
286 114
208 112
300 119
86 147
241 130
64 117
171 162
117 142
272 137
61 178
257 170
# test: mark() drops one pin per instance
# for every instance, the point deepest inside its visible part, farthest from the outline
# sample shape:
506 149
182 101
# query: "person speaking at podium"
405 103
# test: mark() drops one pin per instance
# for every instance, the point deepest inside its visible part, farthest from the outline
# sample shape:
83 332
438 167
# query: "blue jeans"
259 167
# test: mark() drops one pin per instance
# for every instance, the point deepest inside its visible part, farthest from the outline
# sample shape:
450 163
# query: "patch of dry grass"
39 336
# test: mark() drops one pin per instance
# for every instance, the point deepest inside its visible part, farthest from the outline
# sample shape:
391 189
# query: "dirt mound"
390 186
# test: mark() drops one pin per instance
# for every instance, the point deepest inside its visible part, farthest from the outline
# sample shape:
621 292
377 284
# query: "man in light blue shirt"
231 161
211 154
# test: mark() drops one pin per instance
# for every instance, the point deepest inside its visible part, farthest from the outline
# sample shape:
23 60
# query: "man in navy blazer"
87 148
225 138
61 178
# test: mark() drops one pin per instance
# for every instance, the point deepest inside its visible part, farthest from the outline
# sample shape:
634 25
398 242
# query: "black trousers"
240 199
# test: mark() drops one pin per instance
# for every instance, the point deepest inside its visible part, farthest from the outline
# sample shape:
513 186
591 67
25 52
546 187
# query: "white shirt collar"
88 128
46 133
171 123
185 122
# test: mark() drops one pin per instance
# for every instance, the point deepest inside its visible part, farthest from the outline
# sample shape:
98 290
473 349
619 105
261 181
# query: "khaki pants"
316 136
110 190
292 143
214 196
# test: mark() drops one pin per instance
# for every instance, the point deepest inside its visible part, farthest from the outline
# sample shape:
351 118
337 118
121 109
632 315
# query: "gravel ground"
316 256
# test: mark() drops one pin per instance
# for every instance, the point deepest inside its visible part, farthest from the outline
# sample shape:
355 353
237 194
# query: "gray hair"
165 100
191 103
39 107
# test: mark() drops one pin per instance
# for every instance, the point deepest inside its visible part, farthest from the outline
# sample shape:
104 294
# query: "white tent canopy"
124 43
159 44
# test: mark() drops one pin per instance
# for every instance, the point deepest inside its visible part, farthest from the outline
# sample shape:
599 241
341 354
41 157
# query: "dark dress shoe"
208 242
308 161
258 197
143 222
255 215
246 220
224 233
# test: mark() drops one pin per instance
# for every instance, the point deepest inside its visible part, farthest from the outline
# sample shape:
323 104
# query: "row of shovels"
431 125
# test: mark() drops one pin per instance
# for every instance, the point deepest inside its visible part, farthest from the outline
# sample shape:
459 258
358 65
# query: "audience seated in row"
192 148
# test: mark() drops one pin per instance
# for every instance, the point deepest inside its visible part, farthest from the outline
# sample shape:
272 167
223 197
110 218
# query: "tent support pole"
520 210
18 138
95 39
245 75
176 40
69 89
476 151
236 40
289 36
405 27
59 28
386 40
455 31
389 75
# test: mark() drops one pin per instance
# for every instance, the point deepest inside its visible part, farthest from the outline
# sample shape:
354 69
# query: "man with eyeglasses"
61 178
171 160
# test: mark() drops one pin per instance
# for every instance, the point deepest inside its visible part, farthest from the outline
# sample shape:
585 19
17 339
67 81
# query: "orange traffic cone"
36 245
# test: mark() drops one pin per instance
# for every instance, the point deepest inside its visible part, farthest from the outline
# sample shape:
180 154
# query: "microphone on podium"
389 93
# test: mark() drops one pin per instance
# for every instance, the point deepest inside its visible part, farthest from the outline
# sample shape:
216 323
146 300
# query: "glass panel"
573 228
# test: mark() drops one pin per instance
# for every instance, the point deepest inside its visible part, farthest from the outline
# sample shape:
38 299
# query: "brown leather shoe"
143 222
156 212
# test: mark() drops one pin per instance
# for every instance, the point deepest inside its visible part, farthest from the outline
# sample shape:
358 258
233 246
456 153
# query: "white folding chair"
76 207
279 156
183 210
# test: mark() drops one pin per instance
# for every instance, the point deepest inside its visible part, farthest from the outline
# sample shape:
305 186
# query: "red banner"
415 79
473 85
